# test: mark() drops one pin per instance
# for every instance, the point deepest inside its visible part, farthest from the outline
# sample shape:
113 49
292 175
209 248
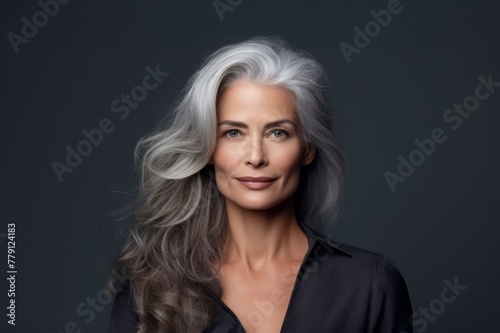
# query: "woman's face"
259 134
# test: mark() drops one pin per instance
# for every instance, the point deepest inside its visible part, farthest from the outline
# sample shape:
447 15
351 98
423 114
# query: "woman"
234 190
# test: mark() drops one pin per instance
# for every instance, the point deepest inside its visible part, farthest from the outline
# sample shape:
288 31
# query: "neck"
259 238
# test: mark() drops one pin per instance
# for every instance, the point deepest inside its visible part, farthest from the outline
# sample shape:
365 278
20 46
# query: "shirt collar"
315 237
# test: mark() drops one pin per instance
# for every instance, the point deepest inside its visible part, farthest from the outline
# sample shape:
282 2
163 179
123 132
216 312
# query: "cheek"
288 159
224 163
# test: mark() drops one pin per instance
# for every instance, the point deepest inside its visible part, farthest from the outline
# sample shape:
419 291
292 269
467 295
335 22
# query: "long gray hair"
180 224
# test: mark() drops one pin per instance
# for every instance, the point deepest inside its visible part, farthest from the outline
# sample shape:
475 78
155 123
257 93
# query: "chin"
254 205
258 207
260 203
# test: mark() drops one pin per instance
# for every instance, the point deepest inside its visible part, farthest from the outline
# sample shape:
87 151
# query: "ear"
211 160
309 154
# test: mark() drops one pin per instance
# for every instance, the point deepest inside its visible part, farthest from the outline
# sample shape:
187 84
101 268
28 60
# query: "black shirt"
338 289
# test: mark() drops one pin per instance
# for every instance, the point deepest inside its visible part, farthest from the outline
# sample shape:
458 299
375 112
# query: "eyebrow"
266 126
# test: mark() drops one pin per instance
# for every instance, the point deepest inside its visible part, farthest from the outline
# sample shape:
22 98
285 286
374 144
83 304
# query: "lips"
256 183
256 179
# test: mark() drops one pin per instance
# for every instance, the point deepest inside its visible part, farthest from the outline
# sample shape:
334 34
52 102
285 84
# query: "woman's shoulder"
356 262
360 276
364 262
343 250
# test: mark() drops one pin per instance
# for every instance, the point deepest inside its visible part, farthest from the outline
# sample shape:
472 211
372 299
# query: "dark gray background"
441 223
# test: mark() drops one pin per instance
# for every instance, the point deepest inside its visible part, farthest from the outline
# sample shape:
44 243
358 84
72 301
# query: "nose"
256 155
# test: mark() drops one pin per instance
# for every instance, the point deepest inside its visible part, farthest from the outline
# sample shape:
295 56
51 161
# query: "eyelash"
287 133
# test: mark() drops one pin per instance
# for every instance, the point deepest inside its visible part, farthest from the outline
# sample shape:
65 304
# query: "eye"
280 133
230 132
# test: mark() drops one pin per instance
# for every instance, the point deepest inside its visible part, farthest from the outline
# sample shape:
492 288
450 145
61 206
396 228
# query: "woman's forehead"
256 99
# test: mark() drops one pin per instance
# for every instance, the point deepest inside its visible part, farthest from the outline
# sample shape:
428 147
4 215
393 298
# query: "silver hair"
180 223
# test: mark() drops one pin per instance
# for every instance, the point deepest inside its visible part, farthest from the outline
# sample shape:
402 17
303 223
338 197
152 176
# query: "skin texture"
266 246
